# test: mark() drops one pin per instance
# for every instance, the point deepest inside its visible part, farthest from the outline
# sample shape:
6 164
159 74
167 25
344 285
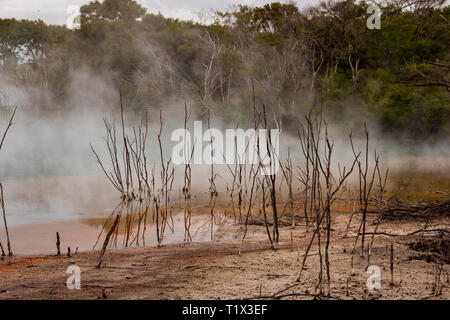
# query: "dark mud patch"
432 249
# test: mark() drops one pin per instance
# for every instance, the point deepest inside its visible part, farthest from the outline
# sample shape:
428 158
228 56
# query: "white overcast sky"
55 11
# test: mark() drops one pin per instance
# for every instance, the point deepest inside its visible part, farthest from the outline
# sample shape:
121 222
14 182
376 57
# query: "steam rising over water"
50 174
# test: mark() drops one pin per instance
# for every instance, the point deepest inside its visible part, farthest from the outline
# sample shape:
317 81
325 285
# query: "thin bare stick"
2 199
7 128
105 243
58 243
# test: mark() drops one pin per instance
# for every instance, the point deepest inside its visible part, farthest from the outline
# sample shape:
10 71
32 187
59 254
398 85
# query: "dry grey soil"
216 271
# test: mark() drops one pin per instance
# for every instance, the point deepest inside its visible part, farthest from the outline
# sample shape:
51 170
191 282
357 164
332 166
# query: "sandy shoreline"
214 270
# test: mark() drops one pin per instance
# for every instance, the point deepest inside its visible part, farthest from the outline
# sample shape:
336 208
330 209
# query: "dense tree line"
290 59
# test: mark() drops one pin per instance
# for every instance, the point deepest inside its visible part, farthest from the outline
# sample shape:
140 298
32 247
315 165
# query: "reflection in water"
81 235
146 191
140 224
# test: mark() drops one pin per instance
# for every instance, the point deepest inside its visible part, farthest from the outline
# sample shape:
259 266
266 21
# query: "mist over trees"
320 57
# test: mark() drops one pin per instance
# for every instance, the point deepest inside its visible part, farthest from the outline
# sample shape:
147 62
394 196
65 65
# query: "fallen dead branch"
408 234
397 209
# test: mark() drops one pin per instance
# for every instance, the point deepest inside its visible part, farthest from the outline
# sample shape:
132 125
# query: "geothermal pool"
77 207
81 235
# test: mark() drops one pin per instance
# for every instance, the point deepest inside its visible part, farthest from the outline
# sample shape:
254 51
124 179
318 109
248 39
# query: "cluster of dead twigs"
321 188
255 194
142 196
256 187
